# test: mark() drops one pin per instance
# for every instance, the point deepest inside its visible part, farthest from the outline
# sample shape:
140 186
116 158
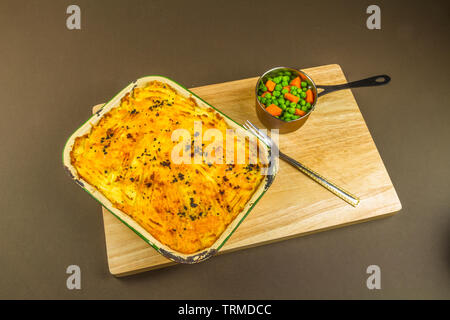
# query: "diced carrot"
270 85
264 94
299 112
274 110
309 96
287 87
296 82
291 97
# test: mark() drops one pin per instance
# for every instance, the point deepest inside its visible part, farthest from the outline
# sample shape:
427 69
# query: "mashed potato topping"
127 156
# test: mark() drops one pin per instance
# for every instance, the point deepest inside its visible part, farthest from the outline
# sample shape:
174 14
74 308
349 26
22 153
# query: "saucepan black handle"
368 82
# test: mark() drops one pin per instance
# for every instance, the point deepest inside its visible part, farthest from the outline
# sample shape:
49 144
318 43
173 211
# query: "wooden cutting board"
334 142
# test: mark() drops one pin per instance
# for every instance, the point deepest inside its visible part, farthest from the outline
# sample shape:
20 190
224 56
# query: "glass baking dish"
132 224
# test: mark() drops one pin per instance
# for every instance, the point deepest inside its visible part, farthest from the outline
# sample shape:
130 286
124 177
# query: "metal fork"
338 191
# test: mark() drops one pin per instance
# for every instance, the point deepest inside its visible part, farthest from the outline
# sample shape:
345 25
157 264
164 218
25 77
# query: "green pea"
285 78
293 89
293 105
303 102
305 89
287 102
291 110
268 95
303 94
277 80
278 87
282 106
305 108
308 105
284 91
285 83
276 93
304 84
295 117
287 73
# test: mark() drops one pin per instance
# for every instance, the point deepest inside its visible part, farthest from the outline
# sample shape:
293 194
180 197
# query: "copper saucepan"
272 122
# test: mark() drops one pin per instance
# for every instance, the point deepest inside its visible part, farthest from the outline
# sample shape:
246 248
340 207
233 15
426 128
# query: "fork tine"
262 135
256 133
249 128
251 125
256 128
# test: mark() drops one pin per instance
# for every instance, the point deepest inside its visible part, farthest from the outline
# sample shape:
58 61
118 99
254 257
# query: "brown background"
50 77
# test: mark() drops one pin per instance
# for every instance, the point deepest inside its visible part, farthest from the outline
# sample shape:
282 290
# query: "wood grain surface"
334 142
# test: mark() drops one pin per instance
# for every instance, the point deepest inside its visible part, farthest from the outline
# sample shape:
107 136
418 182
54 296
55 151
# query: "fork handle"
338 191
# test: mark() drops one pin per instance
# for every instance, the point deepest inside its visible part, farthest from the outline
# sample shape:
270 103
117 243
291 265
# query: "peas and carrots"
286 96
